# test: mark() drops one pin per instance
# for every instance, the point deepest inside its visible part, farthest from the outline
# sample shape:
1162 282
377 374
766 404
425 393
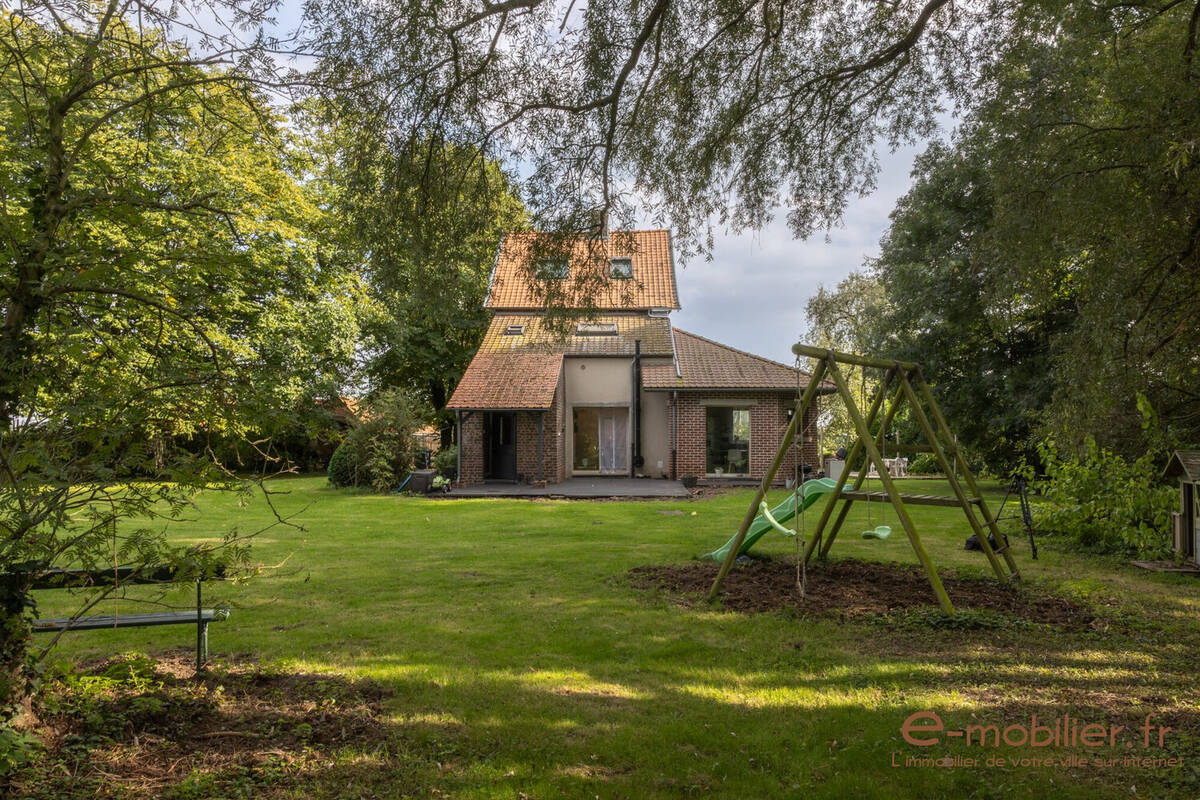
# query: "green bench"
82 579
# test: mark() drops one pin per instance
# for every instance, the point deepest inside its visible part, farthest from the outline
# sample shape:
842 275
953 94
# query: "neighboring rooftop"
605 335
704 364
508 382
529 272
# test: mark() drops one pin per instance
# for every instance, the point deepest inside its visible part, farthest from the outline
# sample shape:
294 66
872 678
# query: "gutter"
637 460
674 436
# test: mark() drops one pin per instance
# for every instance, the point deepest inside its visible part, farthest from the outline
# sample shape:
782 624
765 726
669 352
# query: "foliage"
707 112
163 280
445 461
1106 503
381 450
343 466
17 749
425 227
924 464
841 320
1043 267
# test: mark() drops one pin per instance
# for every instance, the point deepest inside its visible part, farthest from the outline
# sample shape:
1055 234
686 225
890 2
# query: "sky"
752 292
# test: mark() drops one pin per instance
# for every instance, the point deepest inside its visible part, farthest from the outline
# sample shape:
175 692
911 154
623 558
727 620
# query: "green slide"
809 492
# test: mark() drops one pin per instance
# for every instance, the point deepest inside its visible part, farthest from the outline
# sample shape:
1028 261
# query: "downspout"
636 462
541 452
458 446
674 435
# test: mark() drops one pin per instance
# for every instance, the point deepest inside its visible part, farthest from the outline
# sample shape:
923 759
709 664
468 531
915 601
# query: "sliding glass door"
601 440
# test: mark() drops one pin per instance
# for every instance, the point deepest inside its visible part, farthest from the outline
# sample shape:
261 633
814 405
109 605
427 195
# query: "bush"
924 464
380 451
1105 503
445 461
343 465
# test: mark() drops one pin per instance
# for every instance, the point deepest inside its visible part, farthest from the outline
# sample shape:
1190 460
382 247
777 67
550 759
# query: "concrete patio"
579 488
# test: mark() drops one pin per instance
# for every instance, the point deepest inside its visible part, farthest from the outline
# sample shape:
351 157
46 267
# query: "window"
553 269
621 268
514 330
596 329
727 441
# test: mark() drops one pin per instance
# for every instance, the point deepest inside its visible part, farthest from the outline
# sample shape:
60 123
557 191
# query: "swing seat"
880 532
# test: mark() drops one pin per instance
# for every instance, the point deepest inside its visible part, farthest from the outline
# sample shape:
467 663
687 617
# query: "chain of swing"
799 513
867 465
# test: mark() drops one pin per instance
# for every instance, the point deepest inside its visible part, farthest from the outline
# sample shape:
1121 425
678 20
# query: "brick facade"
470 448
768 420
472 443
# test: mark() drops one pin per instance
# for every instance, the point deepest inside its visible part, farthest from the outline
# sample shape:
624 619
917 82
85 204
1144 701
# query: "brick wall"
768 421
470 448
553 443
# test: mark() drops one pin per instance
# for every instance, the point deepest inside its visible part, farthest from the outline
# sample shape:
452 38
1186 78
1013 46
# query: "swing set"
902 384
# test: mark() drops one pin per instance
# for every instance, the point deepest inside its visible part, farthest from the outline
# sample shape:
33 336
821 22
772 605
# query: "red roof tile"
515 284
705 364
509 381
537 336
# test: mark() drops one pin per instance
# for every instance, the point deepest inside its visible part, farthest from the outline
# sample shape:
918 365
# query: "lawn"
515 660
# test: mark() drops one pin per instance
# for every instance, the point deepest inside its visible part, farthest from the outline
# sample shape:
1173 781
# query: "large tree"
424 226
1044 264
702 111
161 280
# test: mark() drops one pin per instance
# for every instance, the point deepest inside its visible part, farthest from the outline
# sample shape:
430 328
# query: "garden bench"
79 578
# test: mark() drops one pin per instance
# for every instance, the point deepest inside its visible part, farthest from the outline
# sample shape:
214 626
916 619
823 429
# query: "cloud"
752 294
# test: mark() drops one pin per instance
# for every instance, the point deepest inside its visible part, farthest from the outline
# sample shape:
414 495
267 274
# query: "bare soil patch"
851 588
133 726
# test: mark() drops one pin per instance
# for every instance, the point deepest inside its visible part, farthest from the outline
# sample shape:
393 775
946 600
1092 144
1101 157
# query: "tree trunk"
15 675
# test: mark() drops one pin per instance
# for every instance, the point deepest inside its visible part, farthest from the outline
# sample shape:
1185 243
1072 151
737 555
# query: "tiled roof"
705 364
510 381
514 285
538 336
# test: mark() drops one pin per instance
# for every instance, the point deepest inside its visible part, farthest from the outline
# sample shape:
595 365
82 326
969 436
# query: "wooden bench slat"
125 621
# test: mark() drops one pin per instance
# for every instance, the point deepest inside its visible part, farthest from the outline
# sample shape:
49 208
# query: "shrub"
924 464
380 451
343 465
1106 503
445 461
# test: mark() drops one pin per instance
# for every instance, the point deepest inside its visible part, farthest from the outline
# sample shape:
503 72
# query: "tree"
843 319
956 305
425 228
703 110
1043 265
1092 137
161 281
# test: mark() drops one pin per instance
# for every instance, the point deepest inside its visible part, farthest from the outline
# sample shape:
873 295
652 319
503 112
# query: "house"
612 388
1185 523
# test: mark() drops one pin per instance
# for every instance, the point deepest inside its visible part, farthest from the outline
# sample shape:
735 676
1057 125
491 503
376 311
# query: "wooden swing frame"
906 383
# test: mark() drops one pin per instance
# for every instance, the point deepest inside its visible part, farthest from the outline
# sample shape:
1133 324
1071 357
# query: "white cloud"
752 294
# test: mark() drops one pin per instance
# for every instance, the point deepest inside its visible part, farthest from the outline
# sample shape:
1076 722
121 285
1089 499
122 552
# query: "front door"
500 454
601 440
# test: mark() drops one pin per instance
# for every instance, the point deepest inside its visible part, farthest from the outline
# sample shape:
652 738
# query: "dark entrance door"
500 431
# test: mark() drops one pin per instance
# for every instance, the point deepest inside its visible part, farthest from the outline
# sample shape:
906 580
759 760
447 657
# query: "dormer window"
553 269
596 329
514 330
621 268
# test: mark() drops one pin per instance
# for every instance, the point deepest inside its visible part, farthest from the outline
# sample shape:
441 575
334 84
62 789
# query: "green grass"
522 664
